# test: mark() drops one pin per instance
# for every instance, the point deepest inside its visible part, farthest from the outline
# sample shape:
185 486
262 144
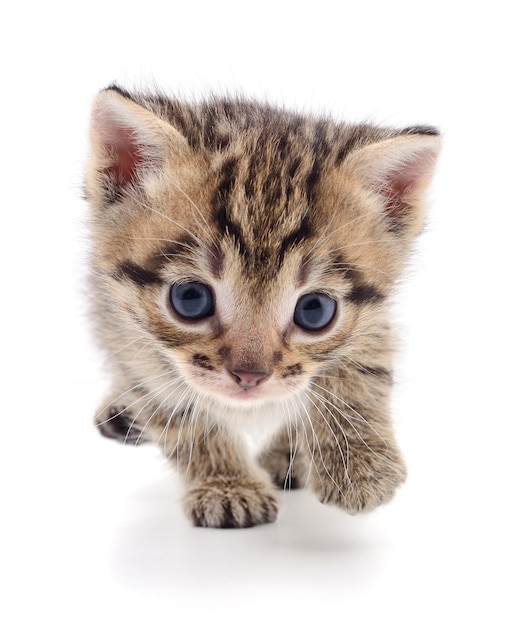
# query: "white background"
91 532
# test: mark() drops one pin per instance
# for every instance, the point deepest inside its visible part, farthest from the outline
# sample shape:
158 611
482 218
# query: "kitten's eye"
192 301
314 311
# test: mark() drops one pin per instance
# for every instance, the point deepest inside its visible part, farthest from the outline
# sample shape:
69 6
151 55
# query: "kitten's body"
242 263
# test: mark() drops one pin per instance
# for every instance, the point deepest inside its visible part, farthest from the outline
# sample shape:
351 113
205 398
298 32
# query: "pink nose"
247 380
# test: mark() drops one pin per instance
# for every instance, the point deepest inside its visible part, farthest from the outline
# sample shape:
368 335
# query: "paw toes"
228 504
363 491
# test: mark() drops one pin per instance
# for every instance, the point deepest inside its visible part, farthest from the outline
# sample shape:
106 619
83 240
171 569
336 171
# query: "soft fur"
262 206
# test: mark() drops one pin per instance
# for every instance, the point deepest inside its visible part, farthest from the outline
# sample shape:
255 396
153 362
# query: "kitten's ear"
399 169
128 141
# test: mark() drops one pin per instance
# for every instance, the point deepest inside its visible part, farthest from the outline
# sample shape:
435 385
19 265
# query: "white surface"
92 532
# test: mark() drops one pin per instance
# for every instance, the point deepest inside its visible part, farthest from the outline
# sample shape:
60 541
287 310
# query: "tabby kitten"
243 258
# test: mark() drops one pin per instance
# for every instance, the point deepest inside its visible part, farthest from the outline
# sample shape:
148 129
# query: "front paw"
229 502
362 486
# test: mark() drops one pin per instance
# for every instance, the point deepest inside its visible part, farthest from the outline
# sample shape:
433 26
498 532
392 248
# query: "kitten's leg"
356 462
127 417
284 461
224 488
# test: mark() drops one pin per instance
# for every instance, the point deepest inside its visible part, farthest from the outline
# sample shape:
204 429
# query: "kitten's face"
245 327
240 271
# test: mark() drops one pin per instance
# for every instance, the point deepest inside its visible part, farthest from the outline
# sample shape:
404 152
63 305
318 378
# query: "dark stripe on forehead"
312 179
227 226
227 178
296 237
137 274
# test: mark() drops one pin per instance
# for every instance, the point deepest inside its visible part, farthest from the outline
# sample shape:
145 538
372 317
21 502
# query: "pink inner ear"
401 184
125 154
394 192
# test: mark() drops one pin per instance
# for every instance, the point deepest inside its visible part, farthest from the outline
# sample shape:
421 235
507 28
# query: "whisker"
319 449
344 460
293 439
153 394
192 410
140 385
178 407
357 415
158 408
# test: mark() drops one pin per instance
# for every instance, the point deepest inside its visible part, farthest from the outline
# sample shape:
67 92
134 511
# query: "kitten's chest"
257 426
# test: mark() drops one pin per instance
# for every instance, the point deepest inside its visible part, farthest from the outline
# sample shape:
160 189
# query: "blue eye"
314 311
192 301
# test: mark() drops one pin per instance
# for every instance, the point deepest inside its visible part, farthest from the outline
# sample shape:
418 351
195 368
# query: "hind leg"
283 459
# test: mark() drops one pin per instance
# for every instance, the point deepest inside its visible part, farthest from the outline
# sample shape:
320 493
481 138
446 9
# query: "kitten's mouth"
247 394
256 395
237 395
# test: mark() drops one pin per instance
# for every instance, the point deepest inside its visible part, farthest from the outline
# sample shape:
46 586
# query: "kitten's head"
241 249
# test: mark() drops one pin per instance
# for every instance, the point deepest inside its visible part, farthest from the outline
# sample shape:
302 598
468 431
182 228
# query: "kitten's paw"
117 422
366 485
226 502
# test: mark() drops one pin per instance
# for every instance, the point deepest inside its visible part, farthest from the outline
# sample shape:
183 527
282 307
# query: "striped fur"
263 206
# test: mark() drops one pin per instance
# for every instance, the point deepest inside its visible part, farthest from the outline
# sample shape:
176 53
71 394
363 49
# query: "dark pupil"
191 300
313 310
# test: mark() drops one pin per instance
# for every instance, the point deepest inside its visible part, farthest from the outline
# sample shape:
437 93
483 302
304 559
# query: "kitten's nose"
247 380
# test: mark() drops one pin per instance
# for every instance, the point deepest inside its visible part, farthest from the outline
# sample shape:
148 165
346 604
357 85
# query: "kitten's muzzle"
248 379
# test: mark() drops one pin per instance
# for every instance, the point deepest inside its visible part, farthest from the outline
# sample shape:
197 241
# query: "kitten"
243 259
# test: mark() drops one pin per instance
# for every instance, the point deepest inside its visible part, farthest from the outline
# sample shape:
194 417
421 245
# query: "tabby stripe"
377 372
351 143
299 235
364 294
227 178
312 179
201 360
137 274
226 225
